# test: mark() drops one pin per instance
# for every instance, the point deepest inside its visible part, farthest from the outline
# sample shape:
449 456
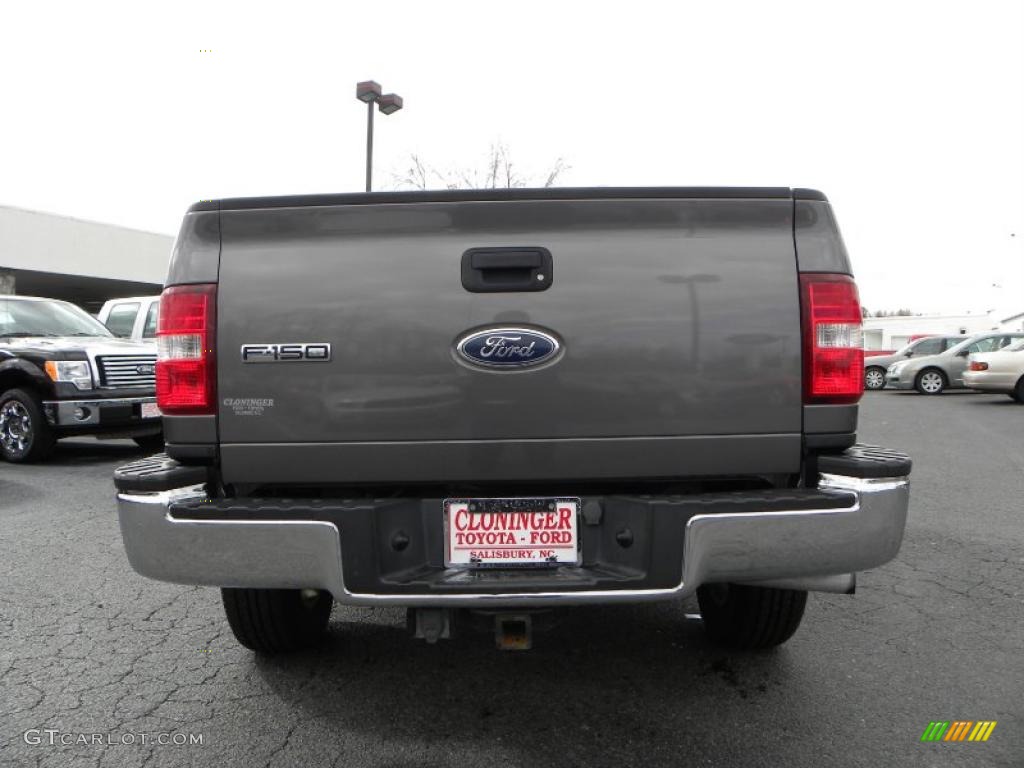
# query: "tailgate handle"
515 269
505 260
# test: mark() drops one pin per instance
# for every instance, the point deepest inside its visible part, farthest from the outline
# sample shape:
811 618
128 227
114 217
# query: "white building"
42 254
891 333
1012 323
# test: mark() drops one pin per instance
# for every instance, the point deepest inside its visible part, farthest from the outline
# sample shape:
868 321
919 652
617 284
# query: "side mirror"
909 354
963 353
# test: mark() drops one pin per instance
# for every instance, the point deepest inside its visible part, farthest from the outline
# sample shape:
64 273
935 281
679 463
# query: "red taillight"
186 361
978 366
833 346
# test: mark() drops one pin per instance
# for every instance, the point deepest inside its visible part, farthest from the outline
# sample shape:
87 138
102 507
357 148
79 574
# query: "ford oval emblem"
507 347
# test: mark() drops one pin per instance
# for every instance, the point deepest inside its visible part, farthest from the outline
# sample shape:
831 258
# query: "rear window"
990 344
928 347
121 319
149 330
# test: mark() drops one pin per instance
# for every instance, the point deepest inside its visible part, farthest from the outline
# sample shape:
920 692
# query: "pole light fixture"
389 103
369 92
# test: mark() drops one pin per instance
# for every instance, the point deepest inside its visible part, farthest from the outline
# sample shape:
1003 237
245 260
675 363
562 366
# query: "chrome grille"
123 370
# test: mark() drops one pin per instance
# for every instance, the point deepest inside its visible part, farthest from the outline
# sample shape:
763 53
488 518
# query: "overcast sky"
908 115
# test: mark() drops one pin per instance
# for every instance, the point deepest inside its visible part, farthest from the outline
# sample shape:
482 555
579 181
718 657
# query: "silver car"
876 366
934 374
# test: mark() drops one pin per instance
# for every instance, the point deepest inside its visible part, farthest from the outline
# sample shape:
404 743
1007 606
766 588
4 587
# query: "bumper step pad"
866 462
156 473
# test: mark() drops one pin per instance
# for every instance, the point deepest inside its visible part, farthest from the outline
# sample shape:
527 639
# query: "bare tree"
418 174
891 313
556 171
498 171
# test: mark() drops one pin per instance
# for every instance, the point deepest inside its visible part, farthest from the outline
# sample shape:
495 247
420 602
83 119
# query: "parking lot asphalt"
89 647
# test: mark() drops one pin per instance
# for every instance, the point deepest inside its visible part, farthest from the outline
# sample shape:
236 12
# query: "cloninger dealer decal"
248 406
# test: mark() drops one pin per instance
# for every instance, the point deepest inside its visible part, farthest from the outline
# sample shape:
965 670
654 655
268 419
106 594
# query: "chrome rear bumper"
806 548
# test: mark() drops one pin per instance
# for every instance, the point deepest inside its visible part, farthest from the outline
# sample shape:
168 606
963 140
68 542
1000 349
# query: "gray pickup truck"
486 404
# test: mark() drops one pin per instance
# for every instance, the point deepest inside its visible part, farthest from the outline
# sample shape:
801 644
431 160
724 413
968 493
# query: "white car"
1001 371
133 318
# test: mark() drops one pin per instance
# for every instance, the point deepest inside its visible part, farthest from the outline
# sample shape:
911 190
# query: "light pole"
370 93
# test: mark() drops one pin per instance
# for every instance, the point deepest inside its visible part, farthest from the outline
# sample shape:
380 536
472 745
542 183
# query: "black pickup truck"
62 374
504 401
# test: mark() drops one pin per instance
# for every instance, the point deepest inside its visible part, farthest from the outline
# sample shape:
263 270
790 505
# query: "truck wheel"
276 620
749 617
150 443
24 433
874 378
930 382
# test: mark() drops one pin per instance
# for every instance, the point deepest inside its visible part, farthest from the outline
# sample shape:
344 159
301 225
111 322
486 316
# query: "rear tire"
150 443
874 378
930 381
748 617
25 435
1018 391
277 620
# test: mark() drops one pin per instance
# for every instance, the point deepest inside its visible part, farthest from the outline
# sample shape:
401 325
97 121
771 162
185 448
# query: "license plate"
151 411
504 532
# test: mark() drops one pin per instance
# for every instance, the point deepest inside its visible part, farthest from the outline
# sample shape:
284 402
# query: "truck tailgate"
679 321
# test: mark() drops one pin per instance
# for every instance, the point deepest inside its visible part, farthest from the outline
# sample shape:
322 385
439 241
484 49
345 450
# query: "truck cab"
131 318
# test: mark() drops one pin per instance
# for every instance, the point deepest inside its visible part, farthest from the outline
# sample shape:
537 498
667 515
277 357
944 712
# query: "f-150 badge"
318 352
507 348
